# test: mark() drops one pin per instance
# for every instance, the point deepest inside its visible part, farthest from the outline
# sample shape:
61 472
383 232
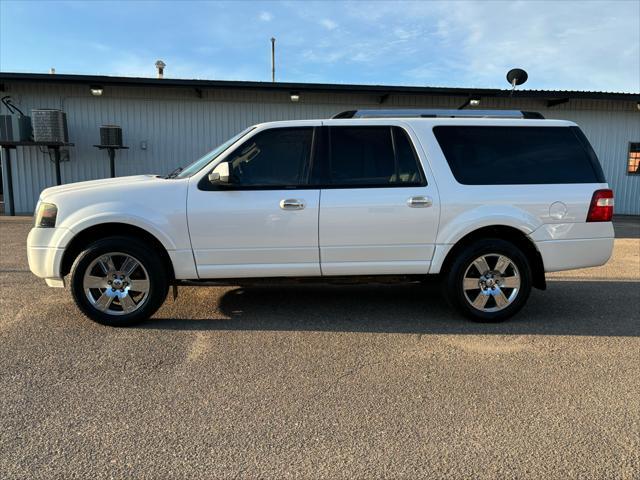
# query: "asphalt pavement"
323 381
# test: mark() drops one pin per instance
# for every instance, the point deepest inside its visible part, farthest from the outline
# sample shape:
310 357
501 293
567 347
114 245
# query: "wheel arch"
508 233
103 230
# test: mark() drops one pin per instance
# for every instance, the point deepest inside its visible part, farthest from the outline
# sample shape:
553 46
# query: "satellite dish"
516 76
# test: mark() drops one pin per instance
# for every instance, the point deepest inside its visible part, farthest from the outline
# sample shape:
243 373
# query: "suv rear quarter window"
494 155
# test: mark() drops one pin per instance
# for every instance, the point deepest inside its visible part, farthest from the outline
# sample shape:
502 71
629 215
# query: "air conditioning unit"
49 125
111 135
15 128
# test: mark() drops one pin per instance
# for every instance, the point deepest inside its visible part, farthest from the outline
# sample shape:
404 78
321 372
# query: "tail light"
601 208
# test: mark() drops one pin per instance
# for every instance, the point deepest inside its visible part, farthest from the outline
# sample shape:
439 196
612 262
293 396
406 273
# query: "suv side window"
490 155
278 157
376 156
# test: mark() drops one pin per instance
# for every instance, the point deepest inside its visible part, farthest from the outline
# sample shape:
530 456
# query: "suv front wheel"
118 281
489 280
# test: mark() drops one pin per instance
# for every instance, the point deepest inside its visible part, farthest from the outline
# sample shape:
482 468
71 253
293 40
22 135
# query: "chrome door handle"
420 202
291 204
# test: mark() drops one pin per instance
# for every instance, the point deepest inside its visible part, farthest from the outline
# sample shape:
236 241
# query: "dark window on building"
490 155
633 163
372 156
278 157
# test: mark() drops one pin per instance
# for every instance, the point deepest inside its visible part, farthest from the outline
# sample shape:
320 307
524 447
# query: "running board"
337 280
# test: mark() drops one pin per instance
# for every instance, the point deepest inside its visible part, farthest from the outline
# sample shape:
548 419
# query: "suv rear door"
378 209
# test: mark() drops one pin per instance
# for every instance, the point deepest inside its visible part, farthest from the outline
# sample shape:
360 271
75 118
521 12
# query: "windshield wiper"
175 173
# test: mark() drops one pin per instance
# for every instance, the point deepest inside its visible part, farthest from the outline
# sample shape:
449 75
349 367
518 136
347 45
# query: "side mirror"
220 174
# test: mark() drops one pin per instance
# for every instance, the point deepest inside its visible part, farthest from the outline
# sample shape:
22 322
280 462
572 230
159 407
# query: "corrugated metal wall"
178 126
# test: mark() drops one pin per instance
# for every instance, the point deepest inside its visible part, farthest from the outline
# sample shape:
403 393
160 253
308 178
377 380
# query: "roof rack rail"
437 113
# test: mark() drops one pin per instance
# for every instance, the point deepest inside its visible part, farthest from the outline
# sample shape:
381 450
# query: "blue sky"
585 45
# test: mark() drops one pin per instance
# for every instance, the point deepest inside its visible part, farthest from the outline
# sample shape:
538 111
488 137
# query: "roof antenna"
515 77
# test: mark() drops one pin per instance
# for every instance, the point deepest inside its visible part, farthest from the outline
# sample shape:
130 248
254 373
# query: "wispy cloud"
591 45
328 24
99 46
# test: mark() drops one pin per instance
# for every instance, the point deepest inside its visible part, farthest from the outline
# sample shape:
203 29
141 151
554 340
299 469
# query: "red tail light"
601 209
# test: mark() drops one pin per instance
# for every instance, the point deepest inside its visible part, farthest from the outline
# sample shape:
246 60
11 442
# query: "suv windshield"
210 156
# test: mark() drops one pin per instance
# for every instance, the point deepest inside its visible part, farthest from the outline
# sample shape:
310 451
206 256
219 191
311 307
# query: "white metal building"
169 123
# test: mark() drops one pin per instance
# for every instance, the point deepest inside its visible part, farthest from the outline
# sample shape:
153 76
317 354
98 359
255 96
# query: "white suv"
488 200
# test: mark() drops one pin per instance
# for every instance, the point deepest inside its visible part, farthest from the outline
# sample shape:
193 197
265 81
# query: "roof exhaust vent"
160 66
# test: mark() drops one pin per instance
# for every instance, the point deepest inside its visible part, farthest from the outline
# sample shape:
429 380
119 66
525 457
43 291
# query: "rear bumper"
569 254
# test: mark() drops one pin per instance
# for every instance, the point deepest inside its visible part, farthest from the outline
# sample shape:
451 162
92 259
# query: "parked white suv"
488 200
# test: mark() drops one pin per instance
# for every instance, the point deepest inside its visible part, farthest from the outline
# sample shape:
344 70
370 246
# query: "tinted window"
372 156
275 157
408 169
518 155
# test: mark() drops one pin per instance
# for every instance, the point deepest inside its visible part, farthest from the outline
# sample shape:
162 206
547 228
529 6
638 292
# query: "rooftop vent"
160 66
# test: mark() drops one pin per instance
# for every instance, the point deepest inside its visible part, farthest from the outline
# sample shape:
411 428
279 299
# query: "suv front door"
264 223
378 212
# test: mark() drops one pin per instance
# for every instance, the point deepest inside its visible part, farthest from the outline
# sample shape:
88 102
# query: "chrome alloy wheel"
491 282
116 283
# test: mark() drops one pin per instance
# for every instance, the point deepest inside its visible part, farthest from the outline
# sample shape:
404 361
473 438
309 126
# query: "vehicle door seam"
319 250
186 213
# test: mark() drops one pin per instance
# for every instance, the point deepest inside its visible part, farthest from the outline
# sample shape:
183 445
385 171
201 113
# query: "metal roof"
308 87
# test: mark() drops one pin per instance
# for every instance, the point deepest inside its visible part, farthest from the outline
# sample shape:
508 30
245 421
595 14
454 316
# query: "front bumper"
45 249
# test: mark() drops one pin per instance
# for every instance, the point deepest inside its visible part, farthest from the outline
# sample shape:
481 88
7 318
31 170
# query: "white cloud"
406 34
99 46
328 24
579 46
576 45
591 45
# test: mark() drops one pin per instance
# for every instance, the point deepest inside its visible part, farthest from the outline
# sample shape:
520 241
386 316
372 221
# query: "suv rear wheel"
489 281
118 281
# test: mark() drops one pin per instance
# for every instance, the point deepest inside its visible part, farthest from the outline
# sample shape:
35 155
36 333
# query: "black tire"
150 260
454 291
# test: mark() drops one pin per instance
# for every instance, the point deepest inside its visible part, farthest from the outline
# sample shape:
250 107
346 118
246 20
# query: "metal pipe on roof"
160 66
273 59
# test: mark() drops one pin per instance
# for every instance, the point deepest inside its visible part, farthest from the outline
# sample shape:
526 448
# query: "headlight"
46 215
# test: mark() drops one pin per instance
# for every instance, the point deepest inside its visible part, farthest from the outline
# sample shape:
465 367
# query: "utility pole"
273 59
